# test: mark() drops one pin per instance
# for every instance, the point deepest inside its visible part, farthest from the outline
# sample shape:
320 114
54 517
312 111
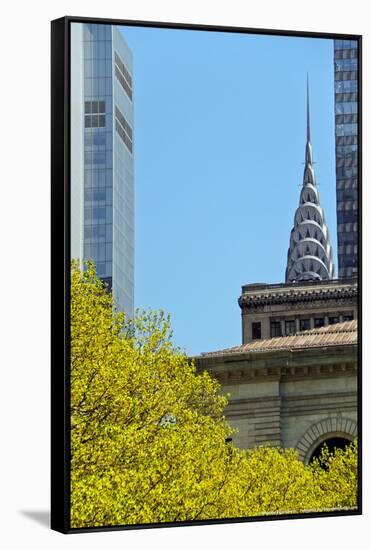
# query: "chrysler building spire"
310 252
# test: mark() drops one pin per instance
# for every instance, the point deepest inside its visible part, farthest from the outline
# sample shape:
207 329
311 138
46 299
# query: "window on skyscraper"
95 114
123 76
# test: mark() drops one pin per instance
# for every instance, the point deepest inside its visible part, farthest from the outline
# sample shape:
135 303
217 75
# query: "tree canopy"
148 434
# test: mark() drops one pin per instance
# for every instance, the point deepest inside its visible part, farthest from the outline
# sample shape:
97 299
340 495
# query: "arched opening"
332 443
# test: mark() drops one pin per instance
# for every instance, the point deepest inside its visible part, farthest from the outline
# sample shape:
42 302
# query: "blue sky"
219 148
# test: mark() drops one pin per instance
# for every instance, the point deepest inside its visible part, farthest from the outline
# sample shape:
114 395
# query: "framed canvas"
206 274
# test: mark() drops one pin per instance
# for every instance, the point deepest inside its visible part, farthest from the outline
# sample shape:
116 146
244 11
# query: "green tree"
336 476
148 435
277 481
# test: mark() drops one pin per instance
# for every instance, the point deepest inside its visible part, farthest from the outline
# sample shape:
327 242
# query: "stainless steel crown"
310 252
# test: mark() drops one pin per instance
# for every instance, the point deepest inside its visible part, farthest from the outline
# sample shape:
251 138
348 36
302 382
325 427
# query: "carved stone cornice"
239 375
291 295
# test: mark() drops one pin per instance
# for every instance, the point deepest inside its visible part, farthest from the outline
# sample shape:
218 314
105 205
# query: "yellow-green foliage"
336 477
148 433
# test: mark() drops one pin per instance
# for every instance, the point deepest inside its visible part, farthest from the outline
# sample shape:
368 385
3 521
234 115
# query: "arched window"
332 443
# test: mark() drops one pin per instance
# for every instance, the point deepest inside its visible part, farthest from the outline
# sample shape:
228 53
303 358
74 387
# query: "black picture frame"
60 267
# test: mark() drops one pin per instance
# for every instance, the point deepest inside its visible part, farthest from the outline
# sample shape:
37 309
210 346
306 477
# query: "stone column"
297 325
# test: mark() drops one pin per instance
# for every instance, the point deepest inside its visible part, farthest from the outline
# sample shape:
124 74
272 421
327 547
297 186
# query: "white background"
24 219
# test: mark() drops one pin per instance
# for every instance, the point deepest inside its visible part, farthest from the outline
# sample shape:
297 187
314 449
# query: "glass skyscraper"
102 179
346 135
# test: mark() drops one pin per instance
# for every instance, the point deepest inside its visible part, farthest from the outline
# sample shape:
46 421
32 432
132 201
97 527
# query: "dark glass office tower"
102 180
346 135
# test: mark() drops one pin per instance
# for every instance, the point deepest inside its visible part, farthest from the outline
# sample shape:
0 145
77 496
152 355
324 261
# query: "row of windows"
124 123
346 129
97 177
349 183
347 140
346 96
95 121
348 260
349 108
124 129
346 75
346 54
123 82
347 216
98 232
98 215
346 119
98 195
97 87
346 64
100 158
340 44
97 139
104 270
351 227
346 86
347 161
95 107
124 136
98 50
97 68
348 272
97 31
347 238
350 172
347 205
346 195
99 252
288 327
347 249
123 69
343 150
123 76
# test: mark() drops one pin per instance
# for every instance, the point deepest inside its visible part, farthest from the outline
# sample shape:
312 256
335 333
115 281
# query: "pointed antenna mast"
308 118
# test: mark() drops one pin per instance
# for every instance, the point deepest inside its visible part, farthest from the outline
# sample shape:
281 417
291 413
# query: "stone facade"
293 381
296 391
270 310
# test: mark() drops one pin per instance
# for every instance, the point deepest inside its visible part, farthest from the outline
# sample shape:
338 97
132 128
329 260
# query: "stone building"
271 310
293 381
293 391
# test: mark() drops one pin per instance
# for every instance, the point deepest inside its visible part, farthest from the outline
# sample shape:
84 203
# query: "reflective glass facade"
346 135
102 157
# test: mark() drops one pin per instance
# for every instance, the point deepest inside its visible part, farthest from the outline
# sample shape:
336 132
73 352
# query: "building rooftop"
329 283
259 295
332 335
